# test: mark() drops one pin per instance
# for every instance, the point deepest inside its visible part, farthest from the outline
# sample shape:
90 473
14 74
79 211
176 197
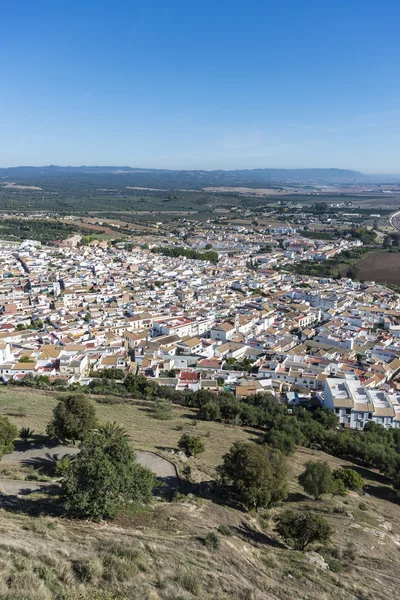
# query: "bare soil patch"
382 267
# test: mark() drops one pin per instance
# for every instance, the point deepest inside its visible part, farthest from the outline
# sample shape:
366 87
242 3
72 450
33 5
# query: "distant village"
242 324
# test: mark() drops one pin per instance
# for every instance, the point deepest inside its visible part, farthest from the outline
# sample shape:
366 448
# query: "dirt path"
14 487
164 469
47 457
38 456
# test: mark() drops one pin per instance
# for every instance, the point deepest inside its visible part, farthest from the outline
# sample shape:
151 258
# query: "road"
394 220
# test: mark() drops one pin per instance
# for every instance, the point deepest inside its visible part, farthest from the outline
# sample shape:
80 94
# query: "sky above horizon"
201 85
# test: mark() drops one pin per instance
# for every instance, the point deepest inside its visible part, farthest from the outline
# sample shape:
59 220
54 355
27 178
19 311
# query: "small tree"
282 440
191 445
104 477
339 489
317 479
257 475
73 418
210 411
302 530
350 478
8 433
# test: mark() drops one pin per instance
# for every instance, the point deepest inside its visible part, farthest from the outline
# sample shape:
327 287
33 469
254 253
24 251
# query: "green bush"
191 445
281 440
8 433
25 433
211 541
162 410
334 565
351 479
225 530
210 411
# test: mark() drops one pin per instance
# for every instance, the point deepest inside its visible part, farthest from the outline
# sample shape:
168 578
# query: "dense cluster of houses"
68 312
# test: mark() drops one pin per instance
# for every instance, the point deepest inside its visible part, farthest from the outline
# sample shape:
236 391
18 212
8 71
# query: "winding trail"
43 457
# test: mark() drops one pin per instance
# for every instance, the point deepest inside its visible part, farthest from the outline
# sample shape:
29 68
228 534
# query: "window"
337 410
369 415
348 411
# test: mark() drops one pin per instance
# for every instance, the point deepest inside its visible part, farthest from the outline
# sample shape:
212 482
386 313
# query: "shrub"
109 374
85 570
25 433
8 432
317 479
225 530
350 552
351 479
191 445
339 488
189 581
301 530
211 541
210 411
362 506
334 565
162 410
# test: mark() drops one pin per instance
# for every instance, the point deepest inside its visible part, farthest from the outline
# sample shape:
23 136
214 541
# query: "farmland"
382 267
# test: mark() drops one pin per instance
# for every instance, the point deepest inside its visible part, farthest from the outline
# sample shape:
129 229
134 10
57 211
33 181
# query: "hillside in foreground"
160 553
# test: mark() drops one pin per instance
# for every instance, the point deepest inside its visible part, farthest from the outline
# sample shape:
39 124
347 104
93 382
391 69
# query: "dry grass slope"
160 553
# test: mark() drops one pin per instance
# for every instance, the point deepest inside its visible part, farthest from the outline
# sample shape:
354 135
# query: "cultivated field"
382 267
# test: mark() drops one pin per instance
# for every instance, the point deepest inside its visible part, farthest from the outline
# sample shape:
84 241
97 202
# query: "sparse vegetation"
225 530
211 541
162 410
122 560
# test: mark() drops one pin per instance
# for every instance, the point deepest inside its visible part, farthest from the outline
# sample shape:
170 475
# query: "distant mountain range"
199 178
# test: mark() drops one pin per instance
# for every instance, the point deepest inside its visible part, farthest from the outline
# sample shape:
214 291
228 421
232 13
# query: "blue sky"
205 85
